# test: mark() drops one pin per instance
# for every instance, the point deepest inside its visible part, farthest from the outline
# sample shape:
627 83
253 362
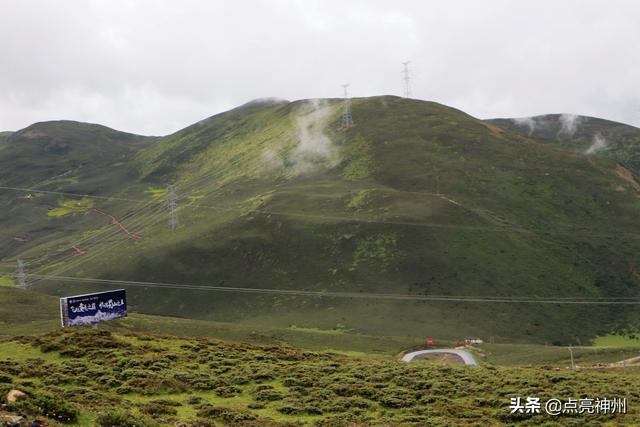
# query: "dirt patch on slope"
625 174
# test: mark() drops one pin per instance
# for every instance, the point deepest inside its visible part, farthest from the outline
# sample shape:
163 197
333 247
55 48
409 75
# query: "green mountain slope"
59 156
588 135
65 151
417 198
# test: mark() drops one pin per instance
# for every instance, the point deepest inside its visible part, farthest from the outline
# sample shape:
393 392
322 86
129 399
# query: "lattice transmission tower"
347 120
22 277
172 201
406 77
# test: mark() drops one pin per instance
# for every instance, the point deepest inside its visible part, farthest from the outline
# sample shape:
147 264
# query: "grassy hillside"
60 156
417 198
4 135
587 135
92 377
65 152
30 313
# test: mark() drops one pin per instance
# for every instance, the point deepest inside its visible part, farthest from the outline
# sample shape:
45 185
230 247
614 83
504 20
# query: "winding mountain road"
466 357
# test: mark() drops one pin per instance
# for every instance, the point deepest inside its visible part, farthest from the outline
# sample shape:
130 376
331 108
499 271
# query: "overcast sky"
155 66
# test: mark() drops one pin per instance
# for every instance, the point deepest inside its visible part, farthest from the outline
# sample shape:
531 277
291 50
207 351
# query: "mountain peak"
266 101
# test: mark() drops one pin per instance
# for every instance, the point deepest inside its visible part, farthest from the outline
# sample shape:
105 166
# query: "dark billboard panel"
93 308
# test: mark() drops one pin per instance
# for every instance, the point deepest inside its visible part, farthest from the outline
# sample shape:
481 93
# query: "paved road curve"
466 357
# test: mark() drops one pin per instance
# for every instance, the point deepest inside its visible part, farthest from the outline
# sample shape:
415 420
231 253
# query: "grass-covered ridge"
587 135
416 198
159 380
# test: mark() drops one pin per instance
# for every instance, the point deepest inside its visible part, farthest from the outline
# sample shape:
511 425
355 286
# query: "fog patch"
526 122
599 143
315 150
569 124
267 101
271 160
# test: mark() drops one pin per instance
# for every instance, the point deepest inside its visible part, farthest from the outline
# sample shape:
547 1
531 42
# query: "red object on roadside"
430 341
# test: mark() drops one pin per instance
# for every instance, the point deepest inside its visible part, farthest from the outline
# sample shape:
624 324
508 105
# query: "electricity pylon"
172 201
347 120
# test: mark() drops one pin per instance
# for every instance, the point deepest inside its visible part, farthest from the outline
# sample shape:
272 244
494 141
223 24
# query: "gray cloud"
154 66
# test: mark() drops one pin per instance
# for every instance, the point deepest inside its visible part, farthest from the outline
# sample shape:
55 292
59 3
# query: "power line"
110 233
329 217
63 193
106 233
158 215
365 295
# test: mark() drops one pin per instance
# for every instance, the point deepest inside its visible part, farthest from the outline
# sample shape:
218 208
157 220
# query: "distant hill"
418 198
584 134
64 150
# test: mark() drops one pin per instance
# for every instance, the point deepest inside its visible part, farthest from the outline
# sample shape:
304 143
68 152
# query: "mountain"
64 150
417 198
588 135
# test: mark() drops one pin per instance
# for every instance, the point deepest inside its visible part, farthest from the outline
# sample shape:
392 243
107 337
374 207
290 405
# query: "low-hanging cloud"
313 150
599 143
526 122
569 124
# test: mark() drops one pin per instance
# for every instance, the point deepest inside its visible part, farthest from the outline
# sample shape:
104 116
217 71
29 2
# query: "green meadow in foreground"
95 377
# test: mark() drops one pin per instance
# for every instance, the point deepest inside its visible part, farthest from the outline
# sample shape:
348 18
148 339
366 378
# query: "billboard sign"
93 308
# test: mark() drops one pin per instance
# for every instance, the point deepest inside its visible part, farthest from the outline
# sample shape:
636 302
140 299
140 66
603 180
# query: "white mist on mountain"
569 124
315 149
599 143
312 149
272 160
528 122
272 100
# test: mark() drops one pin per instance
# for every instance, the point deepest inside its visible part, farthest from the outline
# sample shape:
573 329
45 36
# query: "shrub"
267 395
153 408
123 419
394 402
225 414
50 346
289 410
166 402
194 400
48 406
125 389
228 391
150 386
256 405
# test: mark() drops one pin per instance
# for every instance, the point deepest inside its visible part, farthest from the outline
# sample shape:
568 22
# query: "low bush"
154 409
228 391
123 419
47 406
228 415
